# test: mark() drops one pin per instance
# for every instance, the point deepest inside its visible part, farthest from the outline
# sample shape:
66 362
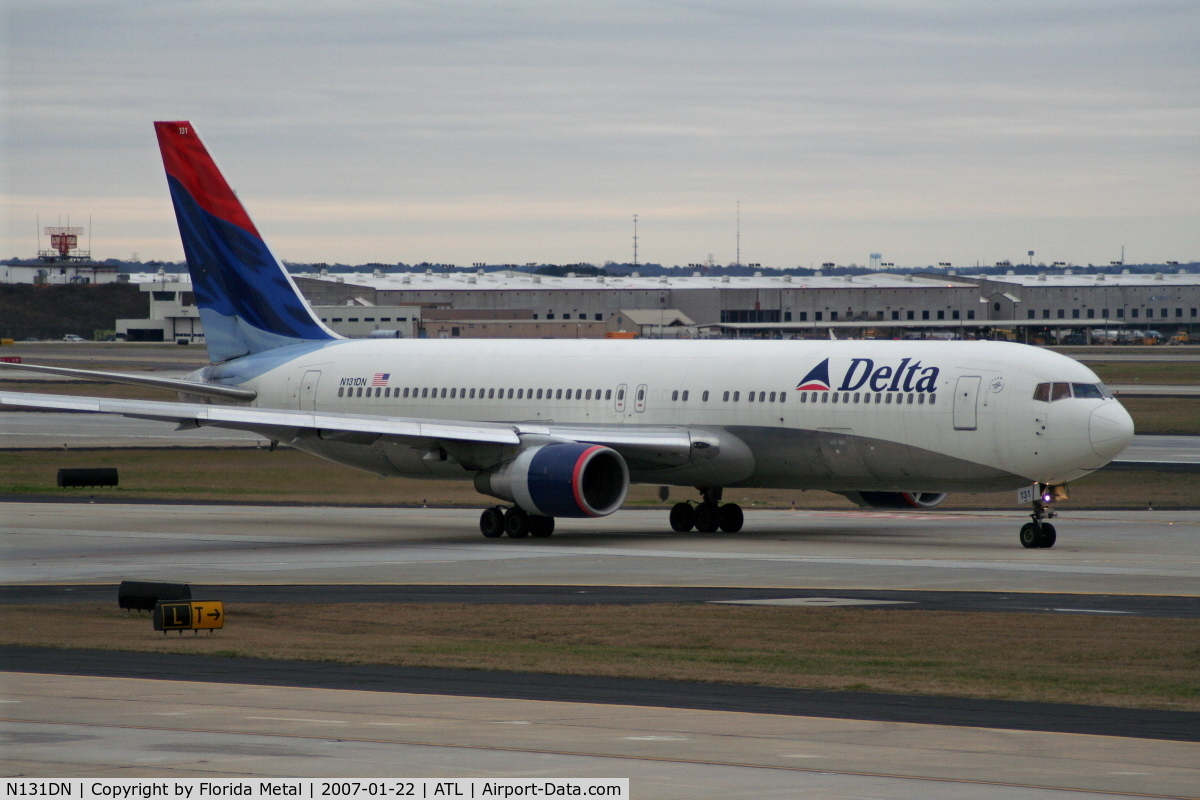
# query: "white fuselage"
896 416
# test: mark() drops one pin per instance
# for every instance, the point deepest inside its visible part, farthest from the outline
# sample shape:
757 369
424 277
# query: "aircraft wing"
271 421
646 446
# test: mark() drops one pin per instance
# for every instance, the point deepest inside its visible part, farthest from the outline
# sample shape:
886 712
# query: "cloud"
534 131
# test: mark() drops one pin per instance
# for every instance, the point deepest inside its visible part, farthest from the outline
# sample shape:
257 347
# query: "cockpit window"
1047 392
1088 390
1042 392
1060 391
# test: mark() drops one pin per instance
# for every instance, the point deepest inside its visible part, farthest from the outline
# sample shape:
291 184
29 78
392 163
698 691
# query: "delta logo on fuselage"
907 376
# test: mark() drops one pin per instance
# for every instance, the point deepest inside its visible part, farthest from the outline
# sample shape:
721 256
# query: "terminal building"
510 304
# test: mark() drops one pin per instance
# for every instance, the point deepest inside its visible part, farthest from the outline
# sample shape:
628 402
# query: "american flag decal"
380 378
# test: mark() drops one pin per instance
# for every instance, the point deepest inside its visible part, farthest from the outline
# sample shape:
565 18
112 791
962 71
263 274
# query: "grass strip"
1130 662
249 475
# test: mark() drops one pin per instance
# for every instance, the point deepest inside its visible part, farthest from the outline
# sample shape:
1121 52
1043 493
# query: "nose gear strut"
1038 533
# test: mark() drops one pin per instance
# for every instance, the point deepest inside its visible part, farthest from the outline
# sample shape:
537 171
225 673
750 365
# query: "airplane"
561 428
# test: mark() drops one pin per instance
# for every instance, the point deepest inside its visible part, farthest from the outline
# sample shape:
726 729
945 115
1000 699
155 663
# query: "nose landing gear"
1038 533
707 516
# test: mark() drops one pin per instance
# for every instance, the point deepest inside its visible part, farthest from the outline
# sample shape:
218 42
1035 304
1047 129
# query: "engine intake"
896 499
560 480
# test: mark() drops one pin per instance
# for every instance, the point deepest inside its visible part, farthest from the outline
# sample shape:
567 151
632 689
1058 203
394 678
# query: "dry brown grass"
1167 416
1153 663
1150 372
252 475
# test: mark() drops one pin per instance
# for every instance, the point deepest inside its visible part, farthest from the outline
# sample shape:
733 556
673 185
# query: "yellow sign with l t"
189 616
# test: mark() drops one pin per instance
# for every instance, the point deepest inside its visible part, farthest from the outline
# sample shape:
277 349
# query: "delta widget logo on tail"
907 376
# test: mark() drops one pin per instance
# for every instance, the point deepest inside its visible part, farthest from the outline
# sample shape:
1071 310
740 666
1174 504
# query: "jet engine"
896 499
564 479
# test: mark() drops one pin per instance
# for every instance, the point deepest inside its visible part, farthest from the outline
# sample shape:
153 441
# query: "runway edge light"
193 615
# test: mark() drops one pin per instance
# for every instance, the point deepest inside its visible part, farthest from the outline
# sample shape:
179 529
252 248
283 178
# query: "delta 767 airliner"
560 428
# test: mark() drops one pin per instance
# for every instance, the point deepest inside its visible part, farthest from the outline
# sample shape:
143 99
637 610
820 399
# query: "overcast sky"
534 131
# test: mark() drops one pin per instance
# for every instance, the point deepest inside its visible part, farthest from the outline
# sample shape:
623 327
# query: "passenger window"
804 397
378 391
762 397
675 395
725 397
1042 392
539 395
772 397
608 394
932 398
910 399
588 396
704 397
685 394
443 392
510 394
620 394
749 397
1060 391
920 399
341 391
520 393
736 396
359 394
491 394
888 398
835 397
782 396
1087 390
824 396
641 394
856 396
558 395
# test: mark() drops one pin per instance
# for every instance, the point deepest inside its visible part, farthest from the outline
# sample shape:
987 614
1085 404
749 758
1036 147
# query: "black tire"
1049 536
491 523
1030 535
731 517
708 517
683 517
516 523
541 527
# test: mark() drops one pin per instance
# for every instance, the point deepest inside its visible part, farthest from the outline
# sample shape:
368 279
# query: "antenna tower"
635 261
738 259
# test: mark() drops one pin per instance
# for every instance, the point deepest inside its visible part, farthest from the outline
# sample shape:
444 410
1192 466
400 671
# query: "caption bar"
206 789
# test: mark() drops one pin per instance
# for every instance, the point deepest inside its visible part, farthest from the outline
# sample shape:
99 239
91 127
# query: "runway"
1099 552
196 723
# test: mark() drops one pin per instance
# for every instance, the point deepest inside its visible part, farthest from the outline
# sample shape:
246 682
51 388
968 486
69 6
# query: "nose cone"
1110 430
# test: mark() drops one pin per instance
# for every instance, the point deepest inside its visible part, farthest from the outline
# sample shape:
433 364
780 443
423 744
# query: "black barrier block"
144 595
77 478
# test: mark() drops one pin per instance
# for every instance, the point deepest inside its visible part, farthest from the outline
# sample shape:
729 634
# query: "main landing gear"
1038 533
708 515
518 523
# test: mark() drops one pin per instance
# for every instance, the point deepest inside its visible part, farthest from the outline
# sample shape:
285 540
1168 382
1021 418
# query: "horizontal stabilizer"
170 384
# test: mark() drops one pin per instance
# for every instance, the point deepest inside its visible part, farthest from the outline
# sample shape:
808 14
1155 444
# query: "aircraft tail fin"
248 302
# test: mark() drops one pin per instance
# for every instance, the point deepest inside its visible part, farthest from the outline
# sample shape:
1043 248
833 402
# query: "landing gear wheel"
730 517
1031 536
683 517
541 527
516 523
1049 537
708 517
491 522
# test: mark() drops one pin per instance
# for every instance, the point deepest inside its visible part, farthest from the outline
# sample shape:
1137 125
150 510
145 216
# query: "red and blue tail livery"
248 302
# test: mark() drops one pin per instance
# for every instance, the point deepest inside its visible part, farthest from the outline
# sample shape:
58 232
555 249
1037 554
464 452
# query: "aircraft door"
639 398
308 390
620 401
966 396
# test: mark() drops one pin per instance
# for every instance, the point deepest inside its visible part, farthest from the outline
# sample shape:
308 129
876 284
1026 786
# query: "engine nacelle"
560 480
896 499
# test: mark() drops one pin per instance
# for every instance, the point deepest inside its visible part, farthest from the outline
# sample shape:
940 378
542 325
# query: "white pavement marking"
822 602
